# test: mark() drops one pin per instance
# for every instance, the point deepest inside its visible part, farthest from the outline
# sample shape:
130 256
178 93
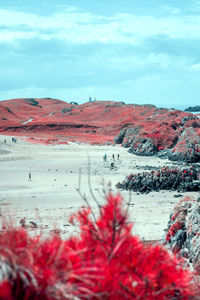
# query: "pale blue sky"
124 50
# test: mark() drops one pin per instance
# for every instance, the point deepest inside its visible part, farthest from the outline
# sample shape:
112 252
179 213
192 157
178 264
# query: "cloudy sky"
136 51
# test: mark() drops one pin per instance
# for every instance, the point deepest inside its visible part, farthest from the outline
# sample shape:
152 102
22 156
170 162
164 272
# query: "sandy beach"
51 196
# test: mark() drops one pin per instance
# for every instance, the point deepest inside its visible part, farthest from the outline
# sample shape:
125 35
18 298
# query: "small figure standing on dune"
29 176
113 156
5 141
105 157
118 156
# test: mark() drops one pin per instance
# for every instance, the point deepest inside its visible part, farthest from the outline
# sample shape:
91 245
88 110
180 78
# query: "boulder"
183 231
180 179
188 146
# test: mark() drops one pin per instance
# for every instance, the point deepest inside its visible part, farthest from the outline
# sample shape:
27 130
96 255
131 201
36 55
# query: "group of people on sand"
112 165
14 140
113 156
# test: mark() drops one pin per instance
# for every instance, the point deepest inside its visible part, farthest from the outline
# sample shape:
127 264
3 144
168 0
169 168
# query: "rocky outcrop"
188 146
193 108
176 138
183 231
119 139
143 146
32 101
181 180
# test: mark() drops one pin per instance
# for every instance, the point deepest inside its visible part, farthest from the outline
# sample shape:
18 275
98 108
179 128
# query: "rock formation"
183 231
182 180
193 108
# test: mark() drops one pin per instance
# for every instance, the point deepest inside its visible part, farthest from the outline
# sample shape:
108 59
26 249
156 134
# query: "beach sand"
52 196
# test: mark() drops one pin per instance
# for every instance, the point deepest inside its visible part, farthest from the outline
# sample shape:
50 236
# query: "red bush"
104 262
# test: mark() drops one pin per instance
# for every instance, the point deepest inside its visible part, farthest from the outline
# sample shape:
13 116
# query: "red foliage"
173 230
105 262
55 121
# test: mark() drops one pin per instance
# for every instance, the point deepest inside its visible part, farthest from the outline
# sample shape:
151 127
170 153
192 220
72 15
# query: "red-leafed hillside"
146 129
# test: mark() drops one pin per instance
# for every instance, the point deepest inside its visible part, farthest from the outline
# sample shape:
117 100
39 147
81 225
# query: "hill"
193 108
144 129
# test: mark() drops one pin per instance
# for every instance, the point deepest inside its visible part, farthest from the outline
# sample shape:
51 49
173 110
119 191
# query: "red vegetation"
188 143
96 122
144 128
104 262
173 230
54 121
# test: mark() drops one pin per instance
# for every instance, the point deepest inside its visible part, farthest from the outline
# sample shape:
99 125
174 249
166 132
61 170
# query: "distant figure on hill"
113 156
118 156
29 176
105 157
5 141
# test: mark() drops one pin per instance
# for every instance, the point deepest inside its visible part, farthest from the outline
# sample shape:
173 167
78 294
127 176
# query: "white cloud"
195 67
172 10
81 27
11 36
195 4
58 20
149 62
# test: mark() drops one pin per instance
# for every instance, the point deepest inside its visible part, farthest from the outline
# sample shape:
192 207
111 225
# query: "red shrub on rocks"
183 232
104 262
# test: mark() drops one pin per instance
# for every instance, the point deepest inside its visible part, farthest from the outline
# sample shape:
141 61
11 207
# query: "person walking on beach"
118 156
113 156
29 176
105 157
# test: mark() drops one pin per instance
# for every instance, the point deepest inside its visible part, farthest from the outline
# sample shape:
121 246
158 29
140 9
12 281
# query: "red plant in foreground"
105 262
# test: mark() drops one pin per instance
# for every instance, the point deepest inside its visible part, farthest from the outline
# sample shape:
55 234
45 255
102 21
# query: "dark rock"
131 136
118 139
32 101
193 108
66 109
184 179
188 146
144 147
183 231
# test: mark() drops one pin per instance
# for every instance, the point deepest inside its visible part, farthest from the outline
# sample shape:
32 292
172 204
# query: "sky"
122 50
